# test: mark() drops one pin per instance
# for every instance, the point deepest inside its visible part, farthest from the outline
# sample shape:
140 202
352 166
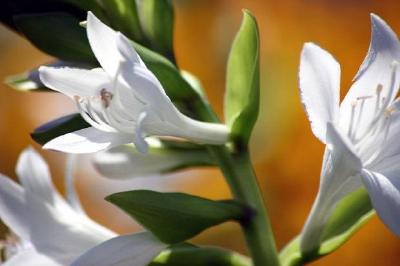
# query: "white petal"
148 90
34 175
140 142
319 87
52 226
130 250
384 192
339 176
375 70
341 165
73 81
87 140
390 146
60 232
31 257
12 207
127 51
70 191
107 45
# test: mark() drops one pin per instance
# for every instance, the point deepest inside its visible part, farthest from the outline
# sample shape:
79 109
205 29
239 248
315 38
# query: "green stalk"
239 174
242 181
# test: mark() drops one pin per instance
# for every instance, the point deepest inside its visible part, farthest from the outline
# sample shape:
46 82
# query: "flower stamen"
353 110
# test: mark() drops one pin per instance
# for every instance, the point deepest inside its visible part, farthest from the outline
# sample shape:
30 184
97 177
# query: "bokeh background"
287 157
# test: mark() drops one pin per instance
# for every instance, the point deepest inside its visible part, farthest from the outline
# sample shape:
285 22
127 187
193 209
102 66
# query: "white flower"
123 101
125 161
51 231
361 134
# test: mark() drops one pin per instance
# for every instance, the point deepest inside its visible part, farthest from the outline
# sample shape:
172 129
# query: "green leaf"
243 81
194 82
350 215
175 217
87 5
11 8
124 17
58 127
200 256
157 19
57 34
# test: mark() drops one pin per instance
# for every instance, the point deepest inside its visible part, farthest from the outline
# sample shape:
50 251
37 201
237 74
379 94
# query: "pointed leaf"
57 34
200 256
157 19
58 127
175 217
349 216
243 81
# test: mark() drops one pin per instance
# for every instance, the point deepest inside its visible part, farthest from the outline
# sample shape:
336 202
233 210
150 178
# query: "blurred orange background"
287 156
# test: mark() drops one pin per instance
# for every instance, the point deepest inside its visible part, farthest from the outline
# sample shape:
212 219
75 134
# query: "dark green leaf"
175 217
157 19
200 256
243 81
58 127
87 5
11 8
57 34
349 216
124 17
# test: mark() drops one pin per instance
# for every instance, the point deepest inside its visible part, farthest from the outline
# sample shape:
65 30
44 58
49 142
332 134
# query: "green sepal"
57 34
243 81
350 215
157 19
199 256
123 16
176 217
58 127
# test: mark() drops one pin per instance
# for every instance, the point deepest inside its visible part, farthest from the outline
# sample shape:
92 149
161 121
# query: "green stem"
240 176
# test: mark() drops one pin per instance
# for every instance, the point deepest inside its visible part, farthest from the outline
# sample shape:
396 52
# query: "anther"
77 98
106 97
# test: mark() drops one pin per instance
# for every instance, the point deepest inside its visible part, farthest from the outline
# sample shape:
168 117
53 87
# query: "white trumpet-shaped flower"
123 101
361 133
54 233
